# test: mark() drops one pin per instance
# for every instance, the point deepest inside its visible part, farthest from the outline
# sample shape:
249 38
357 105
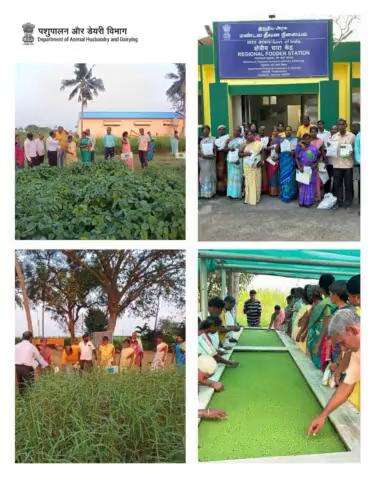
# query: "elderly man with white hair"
344 328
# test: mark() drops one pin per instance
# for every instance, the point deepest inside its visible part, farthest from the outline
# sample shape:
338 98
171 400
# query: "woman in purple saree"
306 156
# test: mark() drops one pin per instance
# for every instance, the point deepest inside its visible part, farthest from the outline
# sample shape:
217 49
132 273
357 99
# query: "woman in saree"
138 349
71 156
207 164
264 154
272 163
252 163
319 318
235 166
318 143
306 156
127 355
85 149
300 329
288 186
151 147
126 151
221 143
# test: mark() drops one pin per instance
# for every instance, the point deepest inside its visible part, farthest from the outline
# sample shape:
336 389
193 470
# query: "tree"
96 320
343 28
176 92
86 87
21 282
236 281
130 279
64 288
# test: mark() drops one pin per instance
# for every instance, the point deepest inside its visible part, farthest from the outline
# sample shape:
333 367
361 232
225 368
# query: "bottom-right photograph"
279 355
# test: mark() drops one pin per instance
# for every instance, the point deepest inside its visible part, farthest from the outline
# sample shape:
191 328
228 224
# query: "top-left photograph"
100 151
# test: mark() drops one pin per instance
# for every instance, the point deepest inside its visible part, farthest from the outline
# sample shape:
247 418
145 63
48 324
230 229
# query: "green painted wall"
219 105
329 102
281 89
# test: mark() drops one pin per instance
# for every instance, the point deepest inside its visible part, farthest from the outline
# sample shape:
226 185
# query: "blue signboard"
273 49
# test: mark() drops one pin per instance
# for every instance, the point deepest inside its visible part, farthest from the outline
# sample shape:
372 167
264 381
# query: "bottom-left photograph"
100 356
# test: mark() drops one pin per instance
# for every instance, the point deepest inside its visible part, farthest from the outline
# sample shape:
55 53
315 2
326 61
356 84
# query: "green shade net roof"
343 264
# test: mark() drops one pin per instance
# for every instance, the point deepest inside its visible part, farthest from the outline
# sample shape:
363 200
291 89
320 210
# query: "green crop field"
104 201
260 338
268 298
102 418
269 407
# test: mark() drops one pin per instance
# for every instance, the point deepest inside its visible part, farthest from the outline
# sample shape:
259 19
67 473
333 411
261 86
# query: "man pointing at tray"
344 328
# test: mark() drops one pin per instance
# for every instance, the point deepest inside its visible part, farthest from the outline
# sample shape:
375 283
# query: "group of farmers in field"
31 359
62 147
324 320
313 165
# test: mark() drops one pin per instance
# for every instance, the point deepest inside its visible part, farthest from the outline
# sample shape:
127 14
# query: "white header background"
168 32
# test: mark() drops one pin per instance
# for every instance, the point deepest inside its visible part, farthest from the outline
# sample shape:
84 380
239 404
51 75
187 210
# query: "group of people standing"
65 148
305 165
82 355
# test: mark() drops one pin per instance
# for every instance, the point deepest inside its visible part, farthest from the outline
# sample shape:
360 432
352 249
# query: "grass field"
268 298
102 418
260 338
269 407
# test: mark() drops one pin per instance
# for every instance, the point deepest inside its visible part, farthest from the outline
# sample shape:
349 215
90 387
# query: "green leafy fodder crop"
104 201
259 338
102 418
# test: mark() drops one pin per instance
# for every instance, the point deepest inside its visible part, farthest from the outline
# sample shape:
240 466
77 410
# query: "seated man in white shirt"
27 357
87 353
344 328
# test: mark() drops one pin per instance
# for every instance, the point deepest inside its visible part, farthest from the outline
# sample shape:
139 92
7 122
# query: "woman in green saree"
85 149
319 319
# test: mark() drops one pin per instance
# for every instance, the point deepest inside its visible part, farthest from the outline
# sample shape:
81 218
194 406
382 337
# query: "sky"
39 100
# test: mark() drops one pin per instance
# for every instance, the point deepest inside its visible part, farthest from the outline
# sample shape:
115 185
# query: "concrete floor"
222 219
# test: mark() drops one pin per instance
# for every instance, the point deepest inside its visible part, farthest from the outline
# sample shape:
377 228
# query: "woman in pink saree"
138 349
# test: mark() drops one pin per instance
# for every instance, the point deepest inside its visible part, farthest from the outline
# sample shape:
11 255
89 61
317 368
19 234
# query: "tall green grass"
268 298
97 417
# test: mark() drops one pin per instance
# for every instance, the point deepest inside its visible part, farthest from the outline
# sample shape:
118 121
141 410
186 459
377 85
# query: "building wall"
157 127
334 93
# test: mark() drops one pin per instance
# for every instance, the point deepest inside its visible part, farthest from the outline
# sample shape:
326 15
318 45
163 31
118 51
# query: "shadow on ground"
223 219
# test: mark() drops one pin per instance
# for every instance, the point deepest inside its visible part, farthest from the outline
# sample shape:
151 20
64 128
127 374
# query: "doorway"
268 110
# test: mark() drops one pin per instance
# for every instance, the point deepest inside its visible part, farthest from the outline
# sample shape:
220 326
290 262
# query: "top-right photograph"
279 129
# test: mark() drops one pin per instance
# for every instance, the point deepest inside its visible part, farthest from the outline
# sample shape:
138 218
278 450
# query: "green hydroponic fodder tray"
259 338
269 407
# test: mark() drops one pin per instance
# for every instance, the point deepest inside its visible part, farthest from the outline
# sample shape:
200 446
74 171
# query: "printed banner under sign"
273 49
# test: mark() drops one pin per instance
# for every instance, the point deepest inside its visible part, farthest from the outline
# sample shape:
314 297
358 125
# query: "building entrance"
268 110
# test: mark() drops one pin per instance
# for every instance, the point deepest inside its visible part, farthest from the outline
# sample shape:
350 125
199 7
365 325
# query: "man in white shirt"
87 352
40 149
344 328
30 150
343 165
52 148
92 139
27 357
323 134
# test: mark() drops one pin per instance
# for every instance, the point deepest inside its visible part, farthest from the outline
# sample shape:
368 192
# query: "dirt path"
223 219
